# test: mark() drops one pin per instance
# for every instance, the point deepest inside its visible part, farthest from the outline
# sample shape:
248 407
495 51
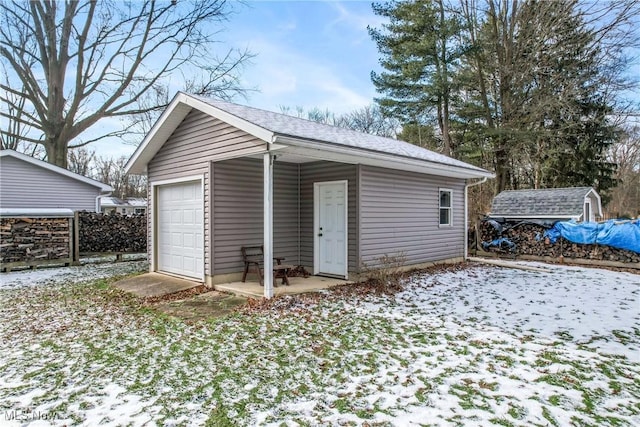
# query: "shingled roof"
302 138
285 125
561 203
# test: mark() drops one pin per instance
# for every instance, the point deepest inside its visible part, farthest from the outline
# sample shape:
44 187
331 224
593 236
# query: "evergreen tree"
419 53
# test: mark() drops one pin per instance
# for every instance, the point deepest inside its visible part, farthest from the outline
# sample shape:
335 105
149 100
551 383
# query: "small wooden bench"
253 257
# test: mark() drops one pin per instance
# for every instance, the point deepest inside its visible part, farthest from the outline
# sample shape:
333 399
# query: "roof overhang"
333 152
104 188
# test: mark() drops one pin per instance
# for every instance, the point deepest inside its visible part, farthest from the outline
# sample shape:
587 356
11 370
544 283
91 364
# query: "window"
445 207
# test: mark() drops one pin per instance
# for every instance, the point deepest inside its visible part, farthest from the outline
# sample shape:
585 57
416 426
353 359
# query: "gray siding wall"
399 212
238 211
23 185
188 151
319 172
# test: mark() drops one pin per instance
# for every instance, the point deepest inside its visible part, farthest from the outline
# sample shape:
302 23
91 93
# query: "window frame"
448 208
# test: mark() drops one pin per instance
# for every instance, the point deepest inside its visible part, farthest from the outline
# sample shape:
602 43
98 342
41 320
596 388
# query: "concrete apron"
158 285
154 285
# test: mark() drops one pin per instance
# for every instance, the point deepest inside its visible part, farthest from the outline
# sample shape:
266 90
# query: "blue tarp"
621 235
501 243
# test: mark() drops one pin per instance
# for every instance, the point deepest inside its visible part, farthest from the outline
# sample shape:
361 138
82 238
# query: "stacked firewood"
112 232
529 240
33 239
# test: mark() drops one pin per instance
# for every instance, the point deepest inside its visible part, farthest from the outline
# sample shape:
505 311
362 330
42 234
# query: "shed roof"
111 201
543 203
57 169
287 130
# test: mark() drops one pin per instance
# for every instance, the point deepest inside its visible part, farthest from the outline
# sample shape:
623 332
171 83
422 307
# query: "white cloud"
290 78
356 21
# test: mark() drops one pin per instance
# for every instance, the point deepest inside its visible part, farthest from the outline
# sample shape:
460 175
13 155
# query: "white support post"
268 224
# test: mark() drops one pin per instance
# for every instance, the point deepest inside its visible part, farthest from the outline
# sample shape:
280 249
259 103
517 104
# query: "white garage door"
180 229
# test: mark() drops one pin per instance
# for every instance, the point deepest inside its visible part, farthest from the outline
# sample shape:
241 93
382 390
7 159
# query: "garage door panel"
180 220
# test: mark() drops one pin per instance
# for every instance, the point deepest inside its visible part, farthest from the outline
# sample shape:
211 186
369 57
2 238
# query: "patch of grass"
469 397
507 361
516 411
501 422
615 387
547 416
622 336
421 395
564 335
558 380
555 399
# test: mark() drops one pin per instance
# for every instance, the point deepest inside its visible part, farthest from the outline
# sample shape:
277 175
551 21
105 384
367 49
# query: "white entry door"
330 201
180 229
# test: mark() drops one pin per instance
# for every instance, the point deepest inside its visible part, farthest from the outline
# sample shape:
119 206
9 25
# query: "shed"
548 204
29 183
224 175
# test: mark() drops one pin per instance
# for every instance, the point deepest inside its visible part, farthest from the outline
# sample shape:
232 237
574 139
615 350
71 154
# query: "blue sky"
308 54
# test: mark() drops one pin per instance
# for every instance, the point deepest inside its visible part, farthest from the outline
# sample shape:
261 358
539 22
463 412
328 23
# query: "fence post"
76 237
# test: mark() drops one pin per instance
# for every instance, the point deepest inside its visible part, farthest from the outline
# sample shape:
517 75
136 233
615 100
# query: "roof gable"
291 131
543 203
56 169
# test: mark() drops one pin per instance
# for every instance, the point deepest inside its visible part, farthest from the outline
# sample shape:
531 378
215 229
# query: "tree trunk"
502 166
56 153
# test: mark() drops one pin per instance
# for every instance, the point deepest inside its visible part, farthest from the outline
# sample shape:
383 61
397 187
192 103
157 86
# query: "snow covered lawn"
478 346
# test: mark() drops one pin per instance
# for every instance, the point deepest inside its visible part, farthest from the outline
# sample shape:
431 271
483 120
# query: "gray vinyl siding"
197 140
24 185
238 211
399 212
188 152
320 172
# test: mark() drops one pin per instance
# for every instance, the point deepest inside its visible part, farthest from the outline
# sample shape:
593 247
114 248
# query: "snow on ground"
91 269
583 305
478 346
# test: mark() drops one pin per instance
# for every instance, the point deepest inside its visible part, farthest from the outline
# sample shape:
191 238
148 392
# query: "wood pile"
529 240
34 239
100 232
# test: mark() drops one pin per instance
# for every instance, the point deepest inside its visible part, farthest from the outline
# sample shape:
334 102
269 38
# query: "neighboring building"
126 206
548 205
28 183
222 176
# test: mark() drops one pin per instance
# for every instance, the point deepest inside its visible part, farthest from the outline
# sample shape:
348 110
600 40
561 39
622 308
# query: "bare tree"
370 119
80 161
625 197
14 134
111 171
71 64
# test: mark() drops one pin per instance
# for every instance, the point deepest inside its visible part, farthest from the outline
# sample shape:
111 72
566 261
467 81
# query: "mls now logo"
28 414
